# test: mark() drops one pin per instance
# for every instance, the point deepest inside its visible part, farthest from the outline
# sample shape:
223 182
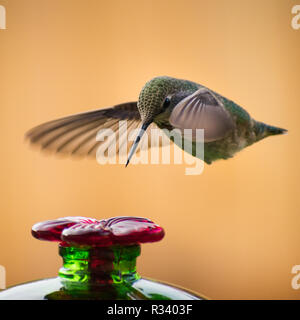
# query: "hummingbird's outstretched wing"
76 134
202 110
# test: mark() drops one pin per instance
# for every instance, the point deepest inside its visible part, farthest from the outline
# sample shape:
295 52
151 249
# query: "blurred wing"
202 110
76 134
82 134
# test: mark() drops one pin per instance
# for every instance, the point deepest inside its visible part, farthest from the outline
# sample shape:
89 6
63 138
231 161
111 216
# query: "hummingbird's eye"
166 103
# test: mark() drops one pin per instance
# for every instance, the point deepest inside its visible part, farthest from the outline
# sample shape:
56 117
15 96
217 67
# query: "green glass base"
142 289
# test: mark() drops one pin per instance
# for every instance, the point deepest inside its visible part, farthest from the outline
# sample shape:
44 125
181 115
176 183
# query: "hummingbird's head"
154 97
153 100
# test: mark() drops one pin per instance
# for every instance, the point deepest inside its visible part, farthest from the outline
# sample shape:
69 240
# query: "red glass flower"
92 232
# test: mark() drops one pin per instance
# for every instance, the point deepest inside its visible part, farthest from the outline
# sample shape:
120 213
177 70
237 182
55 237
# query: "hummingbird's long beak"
137 140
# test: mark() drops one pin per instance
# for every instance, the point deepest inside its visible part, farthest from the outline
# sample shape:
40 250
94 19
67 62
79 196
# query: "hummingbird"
167 103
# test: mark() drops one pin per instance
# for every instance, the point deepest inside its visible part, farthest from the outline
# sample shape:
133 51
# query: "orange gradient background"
232 232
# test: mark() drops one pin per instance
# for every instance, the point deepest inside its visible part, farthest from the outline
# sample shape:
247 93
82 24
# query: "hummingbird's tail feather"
271 130
264 130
